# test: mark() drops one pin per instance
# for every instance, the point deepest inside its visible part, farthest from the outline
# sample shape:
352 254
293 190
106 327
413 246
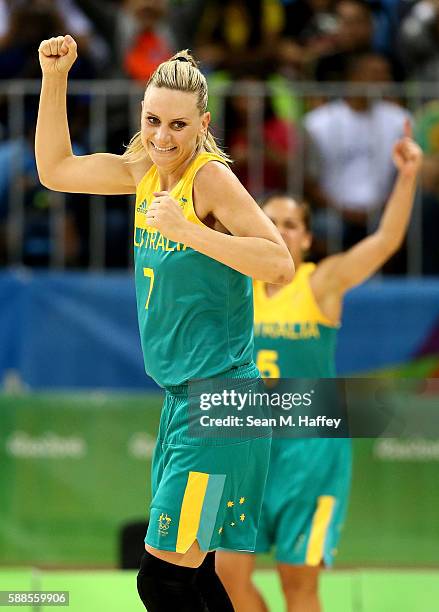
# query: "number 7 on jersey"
149 272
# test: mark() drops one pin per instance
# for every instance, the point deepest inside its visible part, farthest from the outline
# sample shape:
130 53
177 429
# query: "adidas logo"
143 207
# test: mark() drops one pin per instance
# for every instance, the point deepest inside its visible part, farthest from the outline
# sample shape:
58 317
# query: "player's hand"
57 55
165 215
407 155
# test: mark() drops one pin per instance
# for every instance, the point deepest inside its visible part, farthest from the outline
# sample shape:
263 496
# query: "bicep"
220 193
99 173
346 270
242 216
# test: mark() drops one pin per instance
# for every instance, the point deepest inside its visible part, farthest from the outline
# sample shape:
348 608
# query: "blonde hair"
180 73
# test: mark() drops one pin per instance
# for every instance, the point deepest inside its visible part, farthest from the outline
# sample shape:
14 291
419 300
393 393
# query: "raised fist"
407 155
57 55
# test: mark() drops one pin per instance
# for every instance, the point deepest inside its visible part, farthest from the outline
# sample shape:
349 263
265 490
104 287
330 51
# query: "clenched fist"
57 55
407 155
165 214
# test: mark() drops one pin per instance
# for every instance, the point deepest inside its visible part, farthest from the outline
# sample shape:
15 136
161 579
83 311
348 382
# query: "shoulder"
323 278
213 169
216 187
214 177
138 169
391 111
320 117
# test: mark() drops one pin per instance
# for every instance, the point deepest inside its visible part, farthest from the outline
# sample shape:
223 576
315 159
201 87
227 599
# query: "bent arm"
58 168
342 272
255 247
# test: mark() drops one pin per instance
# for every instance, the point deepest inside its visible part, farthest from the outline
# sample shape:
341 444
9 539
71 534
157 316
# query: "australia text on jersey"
150 238
292 331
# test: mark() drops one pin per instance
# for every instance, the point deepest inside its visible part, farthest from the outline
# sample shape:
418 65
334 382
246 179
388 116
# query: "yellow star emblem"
230 504
220 530
232 524
242 517
242 500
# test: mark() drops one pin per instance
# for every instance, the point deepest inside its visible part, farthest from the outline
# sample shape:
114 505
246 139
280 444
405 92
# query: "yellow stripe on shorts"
320 523
191 507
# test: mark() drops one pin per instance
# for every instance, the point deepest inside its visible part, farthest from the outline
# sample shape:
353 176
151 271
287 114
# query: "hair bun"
184 56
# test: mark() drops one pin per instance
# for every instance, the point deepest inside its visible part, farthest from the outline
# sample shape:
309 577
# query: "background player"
308 481
198 237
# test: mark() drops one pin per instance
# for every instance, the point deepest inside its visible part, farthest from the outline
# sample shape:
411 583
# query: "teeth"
162 150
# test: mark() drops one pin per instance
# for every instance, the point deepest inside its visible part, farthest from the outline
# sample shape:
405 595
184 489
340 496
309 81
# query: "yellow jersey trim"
320 523
182 191
294 303
191 508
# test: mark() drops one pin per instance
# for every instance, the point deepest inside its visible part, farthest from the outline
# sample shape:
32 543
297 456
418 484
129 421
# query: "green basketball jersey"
195 314
293 339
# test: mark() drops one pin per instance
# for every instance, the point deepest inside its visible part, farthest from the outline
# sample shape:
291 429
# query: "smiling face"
171 126
288 217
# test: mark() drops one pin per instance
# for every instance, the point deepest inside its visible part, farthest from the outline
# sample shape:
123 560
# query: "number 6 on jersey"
149 272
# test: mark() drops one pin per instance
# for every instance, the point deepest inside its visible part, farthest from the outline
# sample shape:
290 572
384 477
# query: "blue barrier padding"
386 323
79 330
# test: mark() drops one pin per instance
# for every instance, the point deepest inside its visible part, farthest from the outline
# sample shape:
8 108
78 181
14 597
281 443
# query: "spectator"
427 132
430 214
147 45
18 173
135 31
23 24
349 170
26 25
237 34
355 34
184 18
419 39
308 33
271 145
387 15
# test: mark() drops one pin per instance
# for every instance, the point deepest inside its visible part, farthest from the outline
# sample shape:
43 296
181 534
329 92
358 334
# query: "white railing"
118 101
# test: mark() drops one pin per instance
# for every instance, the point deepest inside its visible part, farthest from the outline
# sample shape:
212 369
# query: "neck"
169 177
358 104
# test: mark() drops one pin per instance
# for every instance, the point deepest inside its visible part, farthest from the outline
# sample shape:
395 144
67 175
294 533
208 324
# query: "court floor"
342 591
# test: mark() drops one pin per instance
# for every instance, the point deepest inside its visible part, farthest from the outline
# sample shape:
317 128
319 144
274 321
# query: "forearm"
259 258
52 137
396 216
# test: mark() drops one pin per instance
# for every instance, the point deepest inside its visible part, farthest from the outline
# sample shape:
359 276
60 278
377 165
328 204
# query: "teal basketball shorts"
205 489
305 500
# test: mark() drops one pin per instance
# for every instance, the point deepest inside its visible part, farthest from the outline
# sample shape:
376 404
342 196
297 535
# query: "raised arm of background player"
338 273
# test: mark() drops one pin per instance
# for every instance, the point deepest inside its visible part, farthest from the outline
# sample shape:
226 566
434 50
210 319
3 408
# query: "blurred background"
306 96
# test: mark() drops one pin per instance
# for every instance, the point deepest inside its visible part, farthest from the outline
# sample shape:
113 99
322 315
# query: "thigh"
312 502
235 566
194 557
298 578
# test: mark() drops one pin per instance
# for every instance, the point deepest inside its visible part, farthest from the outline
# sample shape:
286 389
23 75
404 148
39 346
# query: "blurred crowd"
338 147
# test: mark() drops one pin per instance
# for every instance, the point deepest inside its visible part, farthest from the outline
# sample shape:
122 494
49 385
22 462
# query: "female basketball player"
198 237
308 481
